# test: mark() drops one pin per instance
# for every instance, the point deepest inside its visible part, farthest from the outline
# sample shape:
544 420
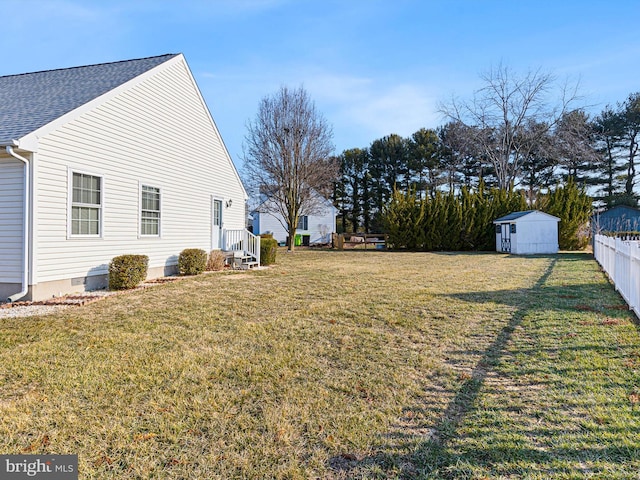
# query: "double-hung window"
303 223
149 211
86 205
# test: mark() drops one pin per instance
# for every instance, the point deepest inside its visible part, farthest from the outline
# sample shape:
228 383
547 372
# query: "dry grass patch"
336 365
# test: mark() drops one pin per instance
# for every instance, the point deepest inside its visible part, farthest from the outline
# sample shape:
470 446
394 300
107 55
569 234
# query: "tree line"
512 135
521 135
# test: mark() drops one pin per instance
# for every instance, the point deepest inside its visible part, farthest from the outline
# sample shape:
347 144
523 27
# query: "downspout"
25 273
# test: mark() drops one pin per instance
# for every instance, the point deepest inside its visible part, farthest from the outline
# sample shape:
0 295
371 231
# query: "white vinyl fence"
621 260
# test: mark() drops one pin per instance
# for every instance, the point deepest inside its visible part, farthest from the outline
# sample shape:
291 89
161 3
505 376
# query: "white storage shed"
526 233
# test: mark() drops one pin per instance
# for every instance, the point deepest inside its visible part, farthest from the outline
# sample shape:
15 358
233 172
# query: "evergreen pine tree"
573 206
402 219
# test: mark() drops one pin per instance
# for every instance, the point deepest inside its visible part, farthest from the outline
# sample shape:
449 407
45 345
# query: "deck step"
244 262
241 260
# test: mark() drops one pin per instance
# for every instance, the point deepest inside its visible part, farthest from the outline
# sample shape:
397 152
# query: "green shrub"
448 221
192 261
573 206
402 219
268 250
127 271
216 261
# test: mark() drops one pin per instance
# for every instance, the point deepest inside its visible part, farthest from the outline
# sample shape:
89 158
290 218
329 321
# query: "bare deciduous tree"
501 112
287 156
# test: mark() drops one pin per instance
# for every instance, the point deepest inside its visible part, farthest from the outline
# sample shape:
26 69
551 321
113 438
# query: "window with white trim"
303 223
86 204
149 211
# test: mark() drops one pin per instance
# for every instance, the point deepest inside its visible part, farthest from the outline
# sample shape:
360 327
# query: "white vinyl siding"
11 220
149 211
533 233
157 133
319 226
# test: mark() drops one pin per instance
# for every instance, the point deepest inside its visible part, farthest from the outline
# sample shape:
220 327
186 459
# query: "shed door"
506 238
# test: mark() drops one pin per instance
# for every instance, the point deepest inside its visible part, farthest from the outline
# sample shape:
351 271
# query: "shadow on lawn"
421 450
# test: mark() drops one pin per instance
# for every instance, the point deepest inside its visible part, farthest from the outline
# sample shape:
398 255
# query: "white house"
109 159
527 232
315 228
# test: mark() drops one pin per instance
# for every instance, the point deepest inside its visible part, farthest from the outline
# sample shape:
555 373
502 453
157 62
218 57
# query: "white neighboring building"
313 229
104 160
525 233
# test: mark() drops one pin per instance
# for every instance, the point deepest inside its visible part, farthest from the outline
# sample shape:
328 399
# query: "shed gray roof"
513 216
31 100
516 215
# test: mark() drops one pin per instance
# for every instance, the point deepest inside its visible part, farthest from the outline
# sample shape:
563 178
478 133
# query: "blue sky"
372 67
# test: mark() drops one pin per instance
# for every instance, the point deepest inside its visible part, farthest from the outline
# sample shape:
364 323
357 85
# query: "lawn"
337 365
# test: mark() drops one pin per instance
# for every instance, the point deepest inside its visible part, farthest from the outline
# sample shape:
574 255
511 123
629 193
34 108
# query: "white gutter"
25 256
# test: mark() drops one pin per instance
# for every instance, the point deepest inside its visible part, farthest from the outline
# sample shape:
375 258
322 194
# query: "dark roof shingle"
513 216
31 100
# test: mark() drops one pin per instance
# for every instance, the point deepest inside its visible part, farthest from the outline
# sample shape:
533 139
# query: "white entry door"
216 224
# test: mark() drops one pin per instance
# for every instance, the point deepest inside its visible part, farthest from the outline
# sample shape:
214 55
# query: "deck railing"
242 241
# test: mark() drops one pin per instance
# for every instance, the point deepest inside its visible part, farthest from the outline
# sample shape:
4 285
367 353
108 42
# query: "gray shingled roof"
32 100
513 216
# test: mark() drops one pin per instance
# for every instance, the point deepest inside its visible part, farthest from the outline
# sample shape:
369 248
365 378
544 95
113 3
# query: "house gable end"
118 79
157 133
215 128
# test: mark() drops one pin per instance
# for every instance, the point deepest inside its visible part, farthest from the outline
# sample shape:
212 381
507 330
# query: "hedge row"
128 271
465 221
447 221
